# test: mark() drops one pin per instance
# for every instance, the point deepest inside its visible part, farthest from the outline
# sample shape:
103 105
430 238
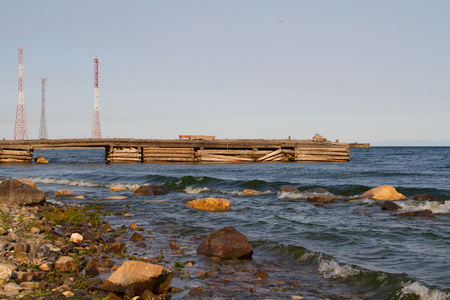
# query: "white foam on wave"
420 205
331 269
423 292
241 193
125 185
291 196
68 182
195 190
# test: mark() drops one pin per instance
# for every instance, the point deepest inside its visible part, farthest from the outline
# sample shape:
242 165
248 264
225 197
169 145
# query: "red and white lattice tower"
20 129
96 132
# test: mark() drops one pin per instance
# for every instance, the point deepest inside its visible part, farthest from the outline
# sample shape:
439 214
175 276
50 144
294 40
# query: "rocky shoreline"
53 251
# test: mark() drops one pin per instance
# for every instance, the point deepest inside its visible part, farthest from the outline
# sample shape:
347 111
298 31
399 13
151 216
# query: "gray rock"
14 192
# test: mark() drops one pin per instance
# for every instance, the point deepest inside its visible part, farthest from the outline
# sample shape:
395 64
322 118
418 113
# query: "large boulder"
136 277
226 243
151 190
14 192
211 204
384 192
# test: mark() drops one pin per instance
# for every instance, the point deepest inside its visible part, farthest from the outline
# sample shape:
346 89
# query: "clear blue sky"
357 71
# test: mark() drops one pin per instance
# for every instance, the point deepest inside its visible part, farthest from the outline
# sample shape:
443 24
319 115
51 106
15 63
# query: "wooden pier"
187 149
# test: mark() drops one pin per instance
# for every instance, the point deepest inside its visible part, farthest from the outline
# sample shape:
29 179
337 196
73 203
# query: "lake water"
350 249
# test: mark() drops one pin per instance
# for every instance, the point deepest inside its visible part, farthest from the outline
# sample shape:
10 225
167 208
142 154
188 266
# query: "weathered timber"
168 154
267 156
16 155
223 158
193 150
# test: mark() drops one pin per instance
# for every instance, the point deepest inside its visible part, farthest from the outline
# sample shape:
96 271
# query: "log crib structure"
188 149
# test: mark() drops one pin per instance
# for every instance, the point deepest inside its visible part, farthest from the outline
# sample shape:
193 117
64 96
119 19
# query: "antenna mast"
20 129
96 133
43 134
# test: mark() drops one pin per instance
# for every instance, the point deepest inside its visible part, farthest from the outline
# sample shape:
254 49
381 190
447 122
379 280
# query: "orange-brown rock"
117 188
211 204
137 237
64 192
41 160
250 192
384 192
138 276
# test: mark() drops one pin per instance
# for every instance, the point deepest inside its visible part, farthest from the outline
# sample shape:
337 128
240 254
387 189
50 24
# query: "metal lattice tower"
43 134
20 129
96 132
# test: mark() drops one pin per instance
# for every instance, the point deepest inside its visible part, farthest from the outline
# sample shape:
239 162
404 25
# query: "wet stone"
137 237
390 206
261 274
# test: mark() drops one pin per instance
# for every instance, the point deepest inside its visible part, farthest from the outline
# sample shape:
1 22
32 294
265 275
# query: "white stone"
76 238
5 272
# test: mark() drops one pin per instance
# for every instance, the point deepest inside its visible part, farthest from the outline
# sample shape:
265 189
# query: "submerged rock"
384 192
117 188
151 190
211 204
427 197
136 277
289 189
64 192
316 191
389 205
250 192
14 192
226 243
324 198
426 213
